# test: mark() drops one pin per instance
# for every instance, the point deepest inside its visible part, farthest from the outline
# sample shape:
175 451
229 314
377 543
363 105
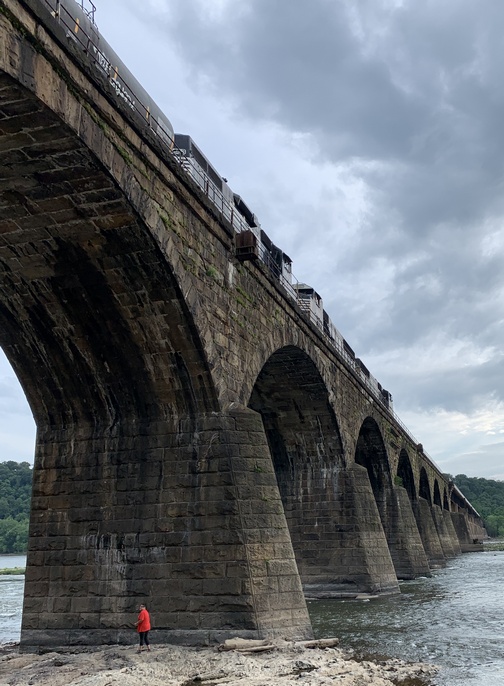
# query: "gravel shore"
286 664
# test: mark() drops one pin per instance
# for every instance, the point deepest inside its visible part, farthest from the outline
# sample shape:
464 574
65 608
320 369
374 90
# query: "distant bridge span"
200 444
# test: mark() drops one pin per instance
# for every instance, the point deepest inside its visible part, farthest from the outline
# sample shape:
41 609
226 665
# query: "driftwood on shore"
318 643
244 645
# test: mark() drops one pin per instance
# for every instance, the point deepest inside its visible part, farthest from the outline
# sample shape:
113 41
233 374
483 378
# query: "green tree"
487 496
15 497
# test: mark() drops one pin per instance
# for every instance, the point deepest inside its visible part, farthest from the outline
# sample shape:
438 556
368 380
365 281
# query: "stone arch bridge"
200 445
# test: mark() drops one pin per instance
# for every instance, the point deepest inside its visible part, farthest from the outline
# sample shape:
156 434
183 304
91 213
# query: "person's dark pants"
144 638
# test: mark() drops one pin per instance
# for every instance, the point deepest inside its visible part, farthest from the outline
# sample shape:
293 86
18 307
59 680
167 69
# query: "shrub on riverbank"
7 571
15 497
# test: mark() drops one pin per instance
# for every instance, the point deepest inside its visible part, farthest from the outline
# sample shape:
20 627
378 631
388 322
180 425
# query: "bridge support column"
443 533
365 555
408 554
468 542
429 534
184 516
447 516
476 530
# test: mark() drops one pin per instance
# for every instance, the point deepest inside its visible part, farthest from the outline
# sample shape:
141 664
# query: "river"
11 598
454 619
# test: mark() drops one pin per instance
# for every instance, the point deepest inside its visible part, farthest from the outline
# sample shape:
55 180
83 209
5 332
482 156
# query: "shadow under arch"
437 494
424 489
92 319
95 326
405 473
415 562
307 454
395 511
370 452
428 523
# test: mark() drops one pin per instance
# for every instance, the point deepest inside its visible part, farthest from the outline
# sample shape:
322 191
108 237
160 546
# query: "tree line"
15 496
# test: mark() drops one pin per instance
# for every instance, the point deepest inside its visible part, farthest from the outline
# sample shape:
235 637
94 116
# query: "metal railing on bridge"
227 209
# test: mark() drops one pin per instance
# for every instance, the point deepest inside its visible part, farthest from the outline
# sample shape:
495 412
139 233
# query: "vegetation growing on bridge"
487 496
15 495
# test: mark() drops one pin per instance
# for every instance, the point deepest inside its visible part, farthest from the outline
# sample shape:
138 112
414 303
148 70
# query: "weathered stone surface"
408 553
428 532
200 444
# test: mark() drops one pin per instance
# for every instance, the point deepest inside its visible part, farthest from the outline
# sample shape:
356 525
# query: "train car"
76 21
387 399
215 187
278 262
201 171
310 303
73 22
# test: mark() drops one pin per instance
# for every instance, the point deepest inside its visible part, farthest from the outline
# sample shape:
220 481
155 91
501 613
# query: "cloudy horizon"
367 138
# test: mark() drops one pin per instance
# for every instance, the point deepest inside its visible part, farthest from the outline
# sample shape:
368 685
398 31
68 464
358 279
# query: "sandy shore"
166 665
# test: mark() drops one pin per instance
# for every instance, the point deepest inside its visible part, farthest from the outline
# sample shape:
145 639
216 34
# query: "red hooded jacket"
143 621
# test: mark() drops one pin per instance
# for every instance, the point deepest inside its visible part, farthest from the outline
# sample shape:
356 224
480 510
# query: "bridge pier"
408 554
184 516
367 554
470 540
447 516
443 533
429 534
360 560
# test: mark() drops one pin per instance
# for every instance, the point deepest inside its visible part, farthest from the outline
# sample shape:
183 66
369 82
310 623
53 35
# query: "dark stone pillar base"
443 533
57 638
365 558
408 554
429 534
452 533
183 516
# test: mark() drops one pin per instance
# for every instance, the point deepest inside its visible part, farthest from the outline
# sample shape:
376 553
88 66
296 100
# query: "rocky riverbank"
283 664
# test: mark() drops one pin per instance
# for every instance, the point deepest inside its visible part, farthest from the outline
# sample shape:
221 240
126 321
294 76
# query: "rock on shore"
285 664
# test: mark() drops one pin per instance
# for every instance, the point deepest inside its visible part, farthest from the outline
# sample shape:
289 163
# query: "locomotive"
74 21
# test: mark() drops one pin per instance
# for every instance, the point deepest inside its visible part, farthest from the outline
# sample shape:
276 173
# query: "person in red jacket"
143 627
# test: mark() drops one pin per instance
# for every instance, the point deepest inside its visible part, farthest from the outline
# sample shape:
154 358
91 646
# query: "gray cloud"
407 97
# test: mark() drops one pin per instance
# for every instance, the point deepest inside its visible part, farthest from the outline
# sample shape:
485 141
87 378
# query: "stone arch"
98 331
307 453
427 525
405 473
370 452
414 560
443 523
446 499
424 490
95 326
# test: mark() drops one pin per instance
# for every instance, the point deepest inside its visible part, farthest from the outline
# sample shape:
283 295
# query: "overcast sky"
368 137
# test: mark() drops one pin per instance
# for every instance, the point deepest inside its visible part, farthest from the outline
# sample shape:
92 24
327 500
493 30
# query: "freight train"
73 21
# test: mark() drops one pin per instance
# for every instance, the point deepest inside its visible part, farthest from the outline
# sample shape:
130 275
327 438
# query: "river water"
11 598
454 619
